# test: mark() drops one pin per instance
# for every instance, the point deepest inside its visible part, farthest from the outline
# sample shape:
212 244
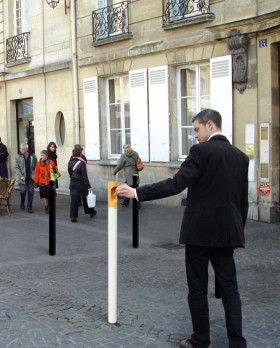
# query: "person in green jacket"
127 162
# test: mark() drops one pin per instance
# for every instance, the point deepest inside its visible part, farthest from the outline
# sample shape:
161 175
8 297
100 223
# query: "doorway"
25 123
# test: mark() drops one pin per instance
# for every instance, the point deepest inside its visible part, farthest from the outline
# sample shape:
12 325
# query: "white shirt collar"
217 133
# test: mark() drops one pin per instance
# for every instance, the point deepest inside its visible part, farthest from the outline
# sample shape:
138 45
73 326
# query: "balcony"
17 49
110 24
183 12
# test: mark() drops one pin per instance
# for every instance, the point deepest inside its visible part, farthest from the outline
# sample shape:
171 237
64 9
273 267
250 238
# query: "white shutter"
91 118
159 114
221 91
139 113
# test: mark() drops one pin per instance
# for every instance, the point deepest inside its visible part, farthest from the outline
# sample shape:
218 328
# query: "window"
193 96
25 123
60 128
18 17
118 101
182 10
110 18
20 23
137 109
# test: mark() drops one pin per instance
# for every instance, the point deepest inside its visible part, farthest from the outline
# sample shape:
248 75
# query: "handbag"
91 199
139 164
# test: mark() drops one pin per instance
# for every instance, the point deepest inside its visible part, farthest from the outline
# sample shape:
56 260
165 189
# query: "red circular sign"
264 189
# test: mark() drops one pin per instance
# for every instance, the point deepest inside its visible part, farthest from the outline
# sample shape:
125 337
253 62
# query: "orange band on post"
112 197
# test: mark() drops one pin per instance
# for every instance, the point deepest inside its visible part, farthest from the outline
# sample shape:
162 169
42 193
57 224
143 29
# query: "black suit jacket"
216 174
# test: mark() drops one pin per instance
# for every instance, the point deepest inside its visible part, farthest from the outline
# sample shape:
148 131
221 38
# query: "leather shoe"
22 206
30 210
188 344
73 220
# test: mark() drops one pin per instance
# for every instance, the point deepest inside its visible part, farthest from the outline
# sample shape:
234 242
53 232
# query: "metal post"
52 218
112 252
135 215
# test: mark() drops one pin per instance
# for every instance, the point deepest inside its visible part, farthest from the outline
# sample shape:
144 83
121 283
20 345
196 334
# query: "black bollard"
52 217
135 215
217 289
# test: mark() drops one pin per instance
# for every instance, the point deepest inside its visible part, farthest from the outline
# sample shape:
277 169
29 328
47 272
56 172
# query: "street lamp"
52 3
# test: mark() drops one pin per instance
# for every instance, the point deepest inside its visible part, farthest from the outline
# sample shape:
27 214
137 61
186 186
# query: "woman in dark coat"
79 185
51 148
3 160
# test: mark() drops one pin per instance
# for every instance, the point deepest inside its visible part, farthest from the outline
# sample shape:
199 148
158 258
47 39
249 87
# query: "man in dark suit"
216 174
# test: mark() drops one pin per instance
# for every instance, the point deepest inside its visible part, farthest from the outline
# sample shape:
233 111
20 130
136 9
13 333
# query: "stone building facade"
102 73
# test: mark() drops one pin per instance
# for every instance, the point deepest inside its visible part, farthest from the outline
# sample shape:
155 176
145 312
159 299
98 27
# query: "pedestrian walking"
52 155
127 162
79 184
42 177
216 174
79 148
3 160
25 163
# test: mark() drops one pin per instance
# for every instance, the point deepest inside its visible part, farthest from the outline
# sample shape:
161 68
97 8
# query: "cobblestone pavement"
61 300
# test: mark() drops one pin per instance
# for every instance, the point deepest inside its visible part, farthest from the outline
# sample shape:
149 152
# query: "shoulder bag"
139 164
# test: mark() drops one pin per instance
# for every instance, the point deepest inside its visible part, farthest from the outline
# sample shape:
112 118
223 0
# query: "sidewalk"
61 300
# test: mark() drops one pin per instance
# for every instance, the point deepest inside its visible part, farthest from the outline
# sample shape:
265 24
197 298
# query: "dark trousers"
197 261
28 188
3 170
78 190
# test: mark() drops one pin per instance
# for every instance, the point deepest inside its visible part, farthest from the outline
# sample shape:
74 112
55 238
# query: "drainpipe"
75 71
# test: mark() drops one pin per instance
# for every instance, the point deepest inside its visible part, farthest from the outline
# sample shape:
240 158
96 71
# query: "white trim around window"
118 114
193 91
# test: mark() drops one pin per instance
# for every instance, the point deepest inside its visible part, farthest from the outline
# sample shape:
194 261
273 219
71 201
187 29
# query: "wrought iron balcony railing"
178 10
110 21
17 48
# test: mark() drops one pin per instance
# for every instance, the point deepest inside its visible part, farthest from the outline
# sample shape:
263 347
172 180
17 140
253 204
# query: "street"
61 300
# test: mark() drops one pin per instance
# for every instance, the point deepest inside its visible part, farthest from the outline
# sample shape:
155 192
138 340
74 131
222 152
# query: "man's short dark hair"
208 114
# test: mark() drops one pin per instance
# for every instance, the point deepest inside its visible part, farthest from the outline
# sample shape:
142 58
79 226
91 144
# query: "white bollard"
112 252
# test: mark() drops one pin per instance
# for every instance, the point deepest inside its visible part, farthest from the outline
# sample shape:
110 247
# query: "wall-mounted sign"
264 151
264 189
262 43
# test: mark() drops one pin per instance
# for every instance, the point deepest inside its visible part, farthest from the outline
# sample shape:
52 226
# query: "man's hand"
125 191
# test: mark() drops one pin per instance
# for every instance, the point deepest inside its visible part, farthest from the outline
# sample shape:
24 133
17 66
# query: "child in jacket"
42 176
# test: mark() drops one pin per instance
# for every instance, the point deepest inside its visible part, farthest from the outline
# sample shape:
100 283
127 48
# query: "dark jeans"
197 260
78 190
28 188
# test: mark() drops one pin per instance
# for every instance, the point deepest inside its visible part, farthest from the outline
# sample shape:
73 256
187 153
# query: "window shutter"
159 114
139 113
91 118
221 91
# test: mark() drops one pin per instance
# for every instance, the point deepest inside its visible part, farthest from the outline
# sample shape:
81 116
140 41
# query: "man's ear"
210 124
